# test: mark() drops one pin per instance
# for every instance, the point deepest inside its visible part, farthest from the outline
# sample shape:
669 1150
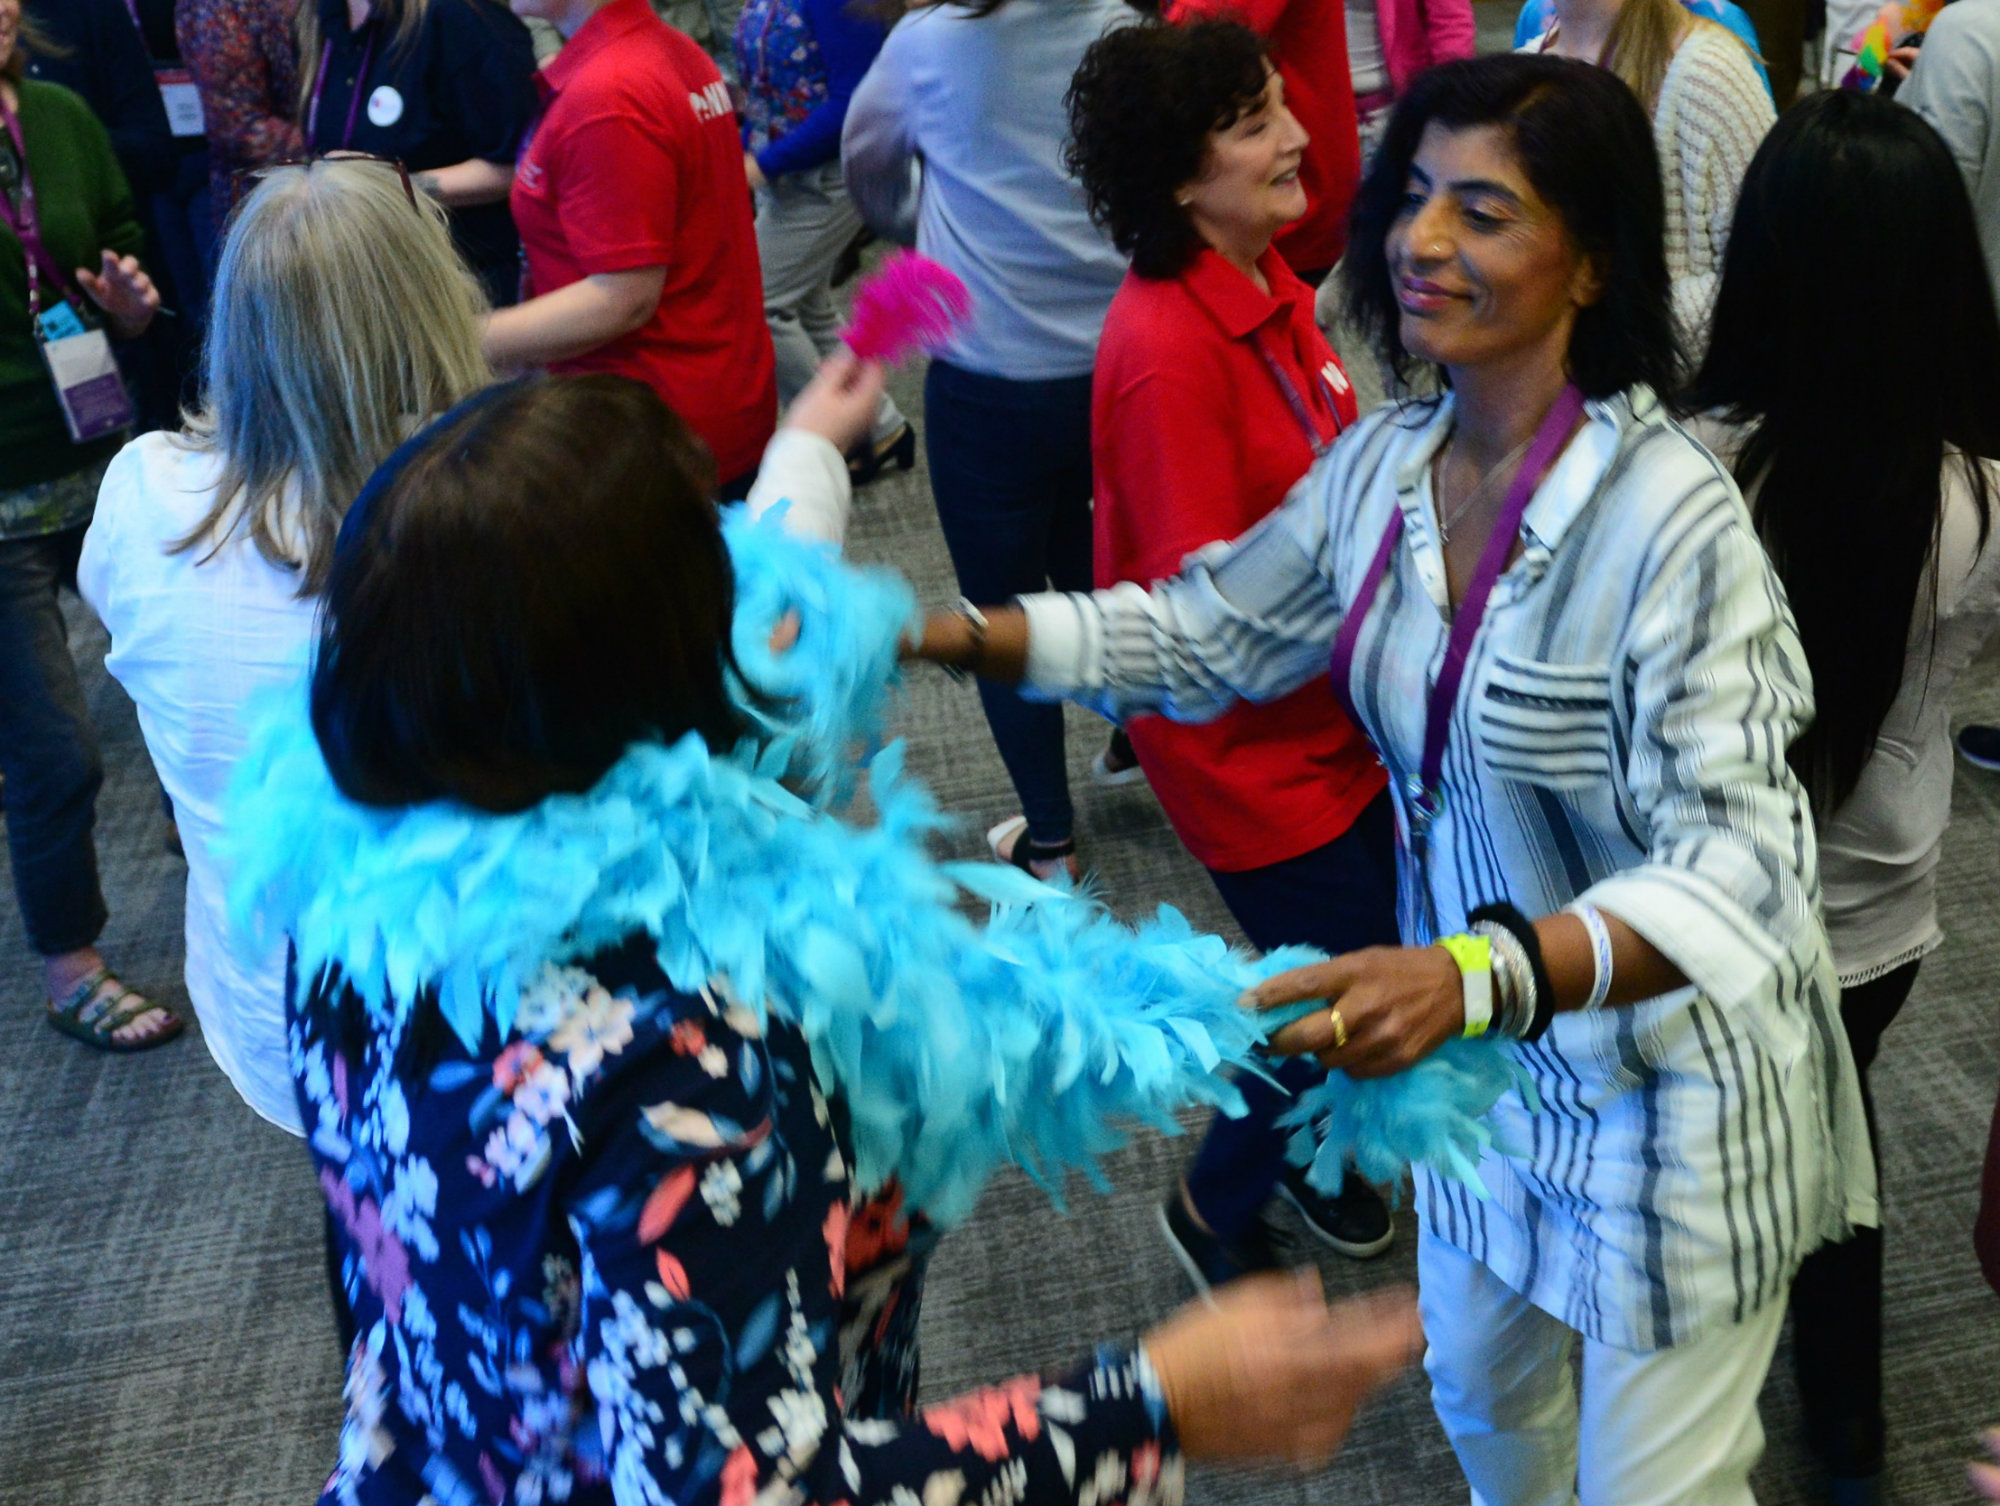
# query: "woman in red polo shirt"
1308 46
636 229
1212 395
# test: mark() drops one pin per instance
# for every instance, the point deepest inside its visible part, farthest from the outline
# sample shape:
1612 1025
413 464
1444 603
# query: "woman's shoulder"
1711 61
46 105
161 484
626 1051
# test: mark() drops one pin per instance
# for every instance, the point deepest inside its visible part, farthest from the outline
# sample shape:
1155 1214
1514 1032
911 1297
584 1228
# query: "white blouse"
1620 735
1879 853
198 637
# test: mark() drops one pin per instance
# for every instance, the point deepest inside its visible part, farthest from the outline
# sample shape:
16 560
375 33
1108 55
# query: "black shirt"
462 87
104 59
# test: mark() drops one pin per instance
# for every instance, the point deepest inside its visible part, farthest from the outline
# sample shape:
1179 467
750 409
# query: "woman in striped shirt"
1549 610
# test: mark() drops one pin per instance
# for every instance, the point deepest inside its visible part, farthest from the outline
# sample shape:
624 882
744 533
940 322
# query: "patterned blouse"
242 55
614 1258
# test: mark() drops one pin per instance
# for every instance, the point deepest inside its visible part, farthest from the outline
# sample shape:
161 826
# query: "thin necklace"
1447 521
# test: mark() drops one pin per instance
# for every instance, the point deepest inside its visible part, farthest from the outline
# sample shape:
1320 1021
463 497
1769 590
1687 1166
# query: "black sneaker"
1206 1259
1980 746
1356 1222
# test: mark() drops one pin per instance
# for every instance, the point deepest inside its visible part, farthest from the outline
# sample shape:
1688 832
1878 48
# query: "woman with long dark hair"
1873 493
1548 609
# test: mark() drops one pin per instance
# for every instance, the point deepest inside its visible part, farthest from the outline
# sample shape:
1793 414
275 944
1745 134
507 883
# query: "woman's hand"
125 293
1397 1005
840 402
1267 1370
752 172
1986 1477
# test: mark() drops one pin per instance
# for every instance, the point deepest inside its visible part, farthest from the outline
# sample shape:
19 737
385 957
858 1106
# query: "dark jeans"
1339 898
1837 1296
48 749
1010 468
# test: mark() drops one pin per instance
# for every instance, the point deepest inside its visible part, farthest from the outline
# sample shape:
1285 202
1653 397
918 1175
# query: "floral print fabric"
784 77
615 1258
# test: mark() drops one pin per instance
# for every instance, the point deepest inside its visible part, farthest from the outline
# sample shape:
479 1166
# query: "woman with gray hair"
342 318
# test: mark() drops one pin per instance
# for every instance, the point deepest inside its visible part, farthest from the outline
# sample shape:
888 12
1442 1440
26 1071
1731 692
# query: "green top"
85 209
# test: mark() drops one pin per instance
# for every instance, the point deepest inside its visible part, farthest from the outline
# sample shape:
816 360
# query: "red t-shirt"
1193 439
1308 42
636 162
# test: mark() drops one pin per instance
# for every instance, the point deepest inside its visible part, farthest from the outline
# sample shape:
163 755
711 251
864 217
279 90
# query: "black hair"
1854 398
1142 106
1587 148
539 582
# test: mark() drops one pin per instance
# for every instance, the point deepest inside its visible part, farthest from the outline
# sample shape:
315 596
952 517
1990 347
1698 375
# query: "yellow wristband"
1474 956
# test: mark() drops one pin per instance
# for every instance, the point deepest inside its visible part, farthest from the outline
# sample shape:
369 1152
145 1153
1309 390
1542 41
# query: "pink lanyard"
353 104
26 222
1426 790
1297 402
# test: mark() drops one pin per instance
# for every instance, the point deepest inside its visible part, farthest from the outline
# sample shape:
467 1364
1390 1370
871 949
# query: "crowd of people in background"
1594 692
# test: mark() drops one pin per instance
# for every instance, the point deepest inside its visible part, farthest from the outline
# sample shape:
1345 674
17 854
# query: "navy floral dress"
615 1258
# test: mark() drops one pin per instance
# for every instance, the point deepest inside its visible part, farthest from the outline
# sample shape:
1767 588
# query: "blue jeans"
48 749
1339 898
1010 468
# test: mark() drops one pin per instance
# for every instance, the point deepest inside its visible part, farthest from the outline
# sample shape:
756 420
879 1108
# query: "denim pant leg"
1338 897
1010 469
48 749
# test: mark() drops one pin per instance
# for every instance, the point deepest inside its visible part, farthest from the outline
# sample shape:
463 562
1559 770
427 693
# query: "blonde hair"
341 317
1643 42
406 17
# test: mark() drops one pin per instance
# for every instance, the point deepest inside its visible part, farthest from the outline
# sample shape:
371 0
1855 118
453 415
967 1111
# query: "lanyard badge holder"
89 387
1424 793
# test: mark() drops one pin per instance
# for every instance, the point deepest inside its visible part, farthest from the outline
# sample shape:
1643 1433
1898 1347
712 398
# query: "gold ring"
1339 1029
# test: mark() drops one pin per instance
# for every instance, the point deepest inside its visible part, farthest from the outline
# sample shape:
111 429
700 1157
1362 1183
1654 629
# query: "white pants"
1676 1427
804 222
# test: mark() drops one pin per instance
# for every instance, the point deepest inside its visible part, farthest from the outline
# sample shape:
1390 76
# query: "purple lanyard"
133 7
1427 790
26 223
353 104
1297 402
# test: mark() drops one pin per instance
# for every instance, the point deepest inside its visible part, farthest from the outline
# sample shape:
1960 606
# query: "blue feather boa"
957 1047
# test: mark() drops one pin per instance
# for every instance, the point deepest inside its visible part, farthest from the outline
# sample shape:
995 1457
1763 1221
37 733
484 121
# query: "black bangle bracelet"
1522 930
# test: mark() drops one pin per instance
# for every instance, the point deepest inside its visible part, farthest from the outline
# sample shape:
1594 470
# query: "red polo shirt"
636 162
1308 42
1193 439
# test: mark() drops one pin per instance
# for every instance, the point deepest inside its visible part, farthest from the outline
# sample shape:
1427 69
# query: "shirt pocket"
1547 724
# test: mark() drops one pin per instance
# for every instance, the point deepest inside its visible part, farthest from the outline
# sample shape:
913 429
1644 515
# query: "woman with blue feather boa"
601 1019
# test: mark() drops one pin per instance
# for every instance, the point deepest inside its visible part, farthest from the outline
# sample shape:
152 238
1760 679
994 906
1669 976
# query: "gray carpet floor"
164 1336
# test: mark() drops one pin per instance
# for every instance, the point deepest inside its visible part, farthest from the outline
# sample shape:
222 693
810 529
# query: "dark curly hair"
1587 148
1141 108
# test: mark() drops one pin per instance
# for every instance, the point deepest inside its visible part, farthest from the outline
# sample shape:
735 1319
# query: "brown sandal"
95 1017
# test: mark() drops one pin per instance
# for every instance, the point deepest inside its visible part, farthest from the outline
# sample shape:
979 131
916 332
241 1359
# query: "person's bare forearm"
1639 970
464 184
951 640
572 321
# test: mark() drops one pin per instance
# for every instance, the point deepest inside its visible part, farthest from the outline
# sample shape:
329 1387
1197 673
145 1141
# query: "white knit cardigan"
1713 113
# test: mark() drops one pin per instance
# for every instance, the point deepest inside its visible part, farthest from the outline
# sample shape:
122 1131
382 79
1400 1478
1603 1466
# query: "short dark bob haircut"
1142 106
1585 145
541 583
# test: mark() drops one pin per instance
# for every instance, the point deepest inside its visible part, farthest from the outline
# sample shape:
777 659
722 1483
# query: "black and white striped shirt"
1620 734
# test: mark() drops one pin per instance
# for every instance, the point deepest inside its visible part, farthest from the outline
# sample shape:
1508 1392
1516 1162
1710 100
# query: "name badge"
181 96
88 384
